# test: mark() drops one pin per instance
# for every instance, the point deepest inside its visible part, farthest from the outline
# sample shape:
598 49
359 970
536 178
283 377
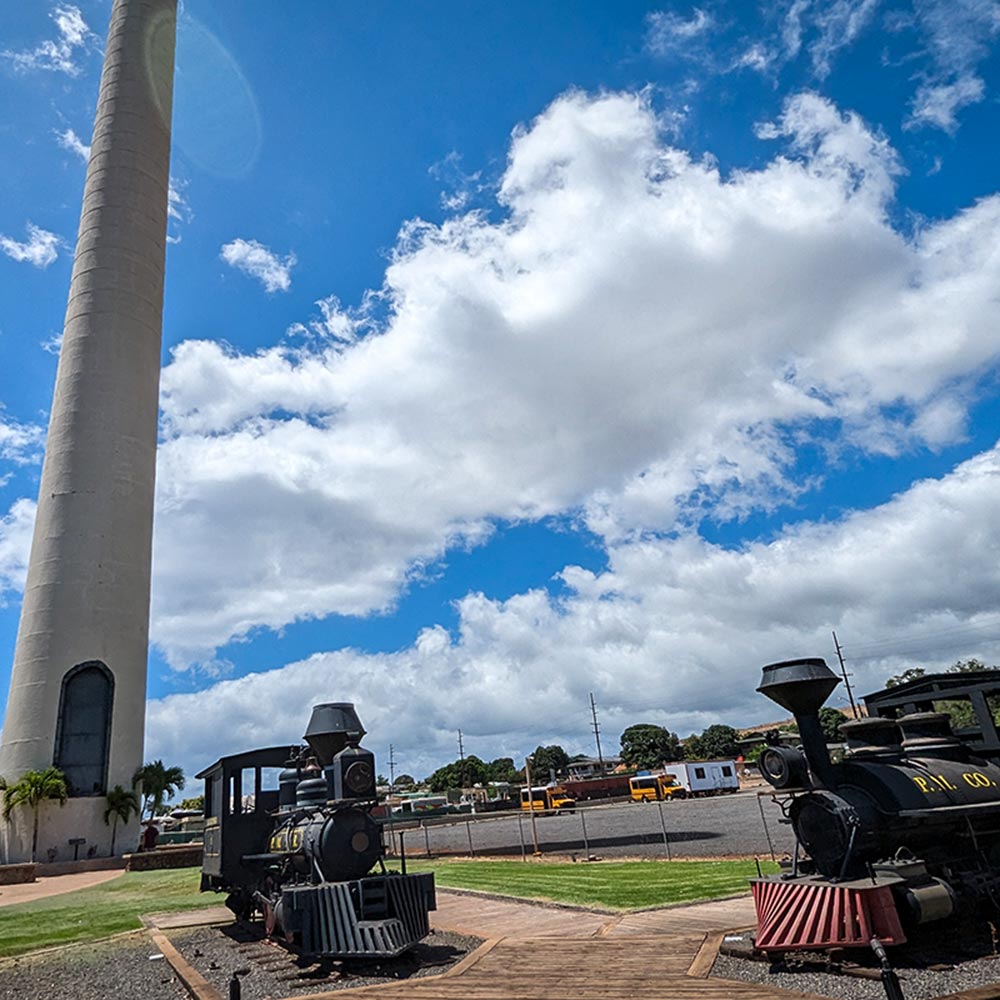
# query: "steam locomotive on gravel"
902 832
307 854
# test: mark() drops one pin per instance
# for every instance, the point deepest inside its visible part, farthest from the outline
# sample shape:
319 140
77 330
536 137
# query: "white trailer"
706 777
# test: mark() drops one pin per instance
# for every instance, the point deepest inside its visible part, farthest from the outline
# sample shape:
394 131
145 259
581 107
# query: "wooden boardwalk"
550 953
654 968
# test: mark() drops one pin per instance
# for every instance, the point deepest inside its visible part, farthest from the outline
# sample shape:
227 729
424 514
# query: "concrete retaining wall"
16 874
170 857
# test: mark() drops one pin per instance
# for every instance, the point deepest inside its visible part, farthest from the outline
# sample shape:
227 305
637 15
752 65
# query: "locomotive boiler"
289 833
903 831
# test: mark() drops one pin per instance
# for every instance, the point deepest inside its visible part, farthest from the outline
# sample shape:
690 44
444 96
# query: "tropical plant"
648 746
502 769
121 804
158 783
462 773
546 761
830 721
31 789
715 743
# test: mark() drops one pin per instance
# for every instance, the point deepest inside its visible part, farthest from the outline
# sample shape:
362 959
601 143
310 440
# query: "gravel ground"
216 952
119 969
935 965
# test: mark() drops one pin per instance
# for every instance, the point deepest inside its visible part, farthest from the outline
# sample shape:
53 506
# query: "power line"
948 632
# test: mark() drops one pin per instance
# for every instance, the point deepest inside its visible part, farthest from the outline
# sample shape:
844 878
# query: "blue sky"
514 352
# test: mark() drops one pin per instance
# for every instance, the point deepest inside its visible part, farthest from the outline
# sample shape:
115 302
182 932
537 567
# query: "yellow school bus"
654 787
544 798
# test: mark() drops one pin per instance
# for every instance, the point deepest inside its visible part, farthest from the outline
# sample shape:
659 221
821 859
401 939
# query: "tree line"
643 746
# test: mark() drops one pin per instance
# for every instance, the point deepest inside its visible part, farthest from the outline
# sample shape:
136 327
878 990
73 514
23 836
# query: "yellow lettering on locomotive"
944 782
976 779
921 783
296 840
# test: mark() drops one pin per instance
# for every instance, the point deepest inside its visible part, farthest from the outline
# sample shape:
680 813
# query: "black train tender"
905 830
303 854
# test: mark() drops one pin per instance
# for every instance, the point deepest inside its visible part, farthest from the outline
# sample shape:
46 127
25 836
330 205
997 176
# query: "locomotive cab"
241 796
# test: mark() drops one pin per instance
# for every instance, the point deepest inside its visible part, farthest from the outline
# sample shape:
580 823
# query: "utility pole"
843 671
461 757
597 732
388 802
392 768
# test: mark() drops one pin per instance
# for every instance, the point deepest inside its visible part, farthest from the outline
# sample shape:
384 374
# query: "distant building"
590 767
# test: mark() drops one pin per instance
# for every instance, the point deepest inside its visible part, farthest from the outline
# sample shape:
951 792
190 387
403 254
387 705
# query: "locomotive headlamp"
783 767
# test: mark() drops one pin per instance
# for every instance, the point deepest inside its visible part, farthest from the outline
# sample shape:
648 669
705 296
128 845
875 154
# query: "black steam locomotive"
903 831
303 853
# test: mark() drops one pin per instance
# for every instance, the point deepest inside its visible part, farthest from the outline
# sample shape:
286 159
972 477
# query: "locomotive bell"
332 727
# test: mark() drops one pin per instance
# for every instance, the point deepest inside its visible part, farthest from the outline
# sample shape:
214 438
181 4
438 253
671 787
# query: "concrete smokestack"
78 687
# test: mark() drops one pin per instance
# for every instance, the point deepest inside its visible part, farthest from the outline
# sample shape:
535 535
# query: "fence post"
520 836
763 821
583 824
663 827
427 838
468 830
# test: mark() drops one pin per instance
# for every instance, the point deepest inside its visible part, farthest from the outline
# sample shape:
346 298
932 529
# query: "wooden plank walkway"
551 953
604 968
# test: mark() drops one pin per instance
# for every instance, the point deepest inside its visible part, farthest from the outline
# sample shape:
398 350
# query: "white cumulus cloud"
59 54
40 249
674 632
70 141
258 261
20 443
15 544
640 343
667 31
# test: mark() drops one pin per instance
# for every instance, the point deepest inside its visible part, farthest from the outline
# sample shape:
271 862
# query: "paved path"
53 885
489 917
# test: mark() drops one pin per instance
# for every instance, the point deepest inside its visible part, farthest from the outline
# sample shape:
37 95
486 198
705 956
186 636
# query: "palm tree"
31 789
158 782
121 804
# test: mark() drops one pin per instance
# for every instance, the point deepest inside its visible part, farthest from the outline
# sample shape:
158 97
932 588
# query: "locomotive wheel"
241 904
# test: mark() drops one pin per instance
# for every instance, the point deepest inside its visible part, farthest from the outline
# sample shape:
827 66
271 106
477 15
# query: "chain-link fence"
721 827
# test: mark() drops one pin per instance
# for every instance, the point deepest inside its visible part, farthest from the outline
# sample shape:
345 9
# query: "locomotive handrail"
938 812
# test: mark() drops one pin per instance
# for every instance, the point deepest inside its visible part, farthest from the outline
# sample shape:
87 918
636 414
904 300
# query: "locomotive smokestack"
801 687
331 727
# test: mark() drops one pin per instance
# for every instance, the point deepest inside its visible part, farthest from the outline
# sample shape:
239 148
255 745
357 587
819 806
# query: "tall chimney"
801 687
78 685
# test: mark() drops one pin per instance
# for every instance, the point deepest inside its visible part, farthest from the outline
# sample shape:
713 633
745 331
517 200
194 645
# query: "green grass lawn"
98 912
115 906
622 885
